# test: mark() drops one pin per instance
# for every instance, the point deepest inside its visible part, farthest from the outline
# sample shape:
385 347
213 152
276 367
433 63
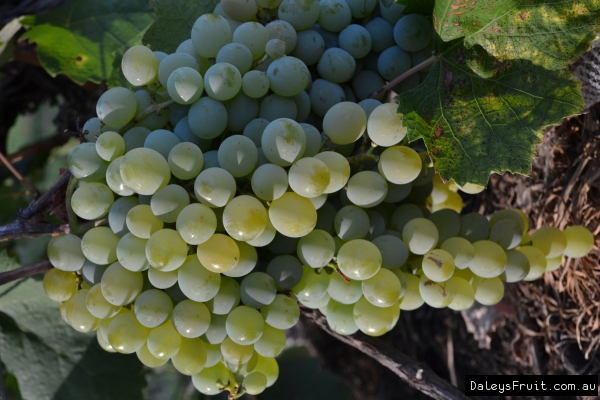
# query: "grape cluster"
243 178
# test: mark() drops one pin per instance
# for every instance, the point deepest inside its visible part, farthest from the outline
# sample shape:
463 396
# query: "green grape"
168 202
255 84
517 267
113 178
550 240
489 261
275 107
121 286
447 223
166 250
282 312
222 81
403 281
309 47
162 141
255 383
420 235
394 252
105 323
152 308
125 334
285 270
437 294
148 359
247 261
92 201
316 249
236 353
257 290
392 62
279 29
579 241
385 127
271 343
438 265
461 250
465 295
191 318
110 145
412 299
139 65
238 155
537 262
453 202
219 254
103 343
135 138
85 163
161 279
191 357
99 245
209 34
275 48
269 367
211 380
131 253
337 65
345 122
217 331
552 264
207 118
77 314
236 54
413 32
375 321
288 76
363 84
474 227
196 223
367 189
283 142
466 274
382 289
244 326
92 273
439 194
340 317
254 36
356 40
64 253
507 233
185 160
488 291
197 282
309 177
359 259
312 286
335 15
116 106
244 218
227 298
317 304
507 214
164 341
172 62
293 215
185 85
403 214
97 304
215 187
145 171
471 188
59 285
344 292
400 164
269 182
301 14
339 170
213 354
313 136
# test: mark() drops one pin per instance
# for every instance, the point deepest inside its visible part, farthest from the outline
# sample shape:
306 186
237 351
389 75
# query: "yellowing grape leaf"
175 21
477 114
83 38
552 34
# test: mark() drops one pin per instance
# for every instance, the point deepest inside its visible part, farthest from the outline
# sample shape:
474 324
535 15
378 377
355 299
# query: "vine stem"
431 60
16 173
24 272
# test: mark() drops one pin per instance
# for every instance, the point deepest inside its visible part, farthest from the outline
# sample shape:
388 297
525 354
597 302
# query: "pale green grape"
453 202
316 249
244 326
148 359
254 36
219 254
64 253
139 65
244 218
364 84
275 48
461 250
257 290
207 118
114 181
301 14
339 170
164 341
209 33
162 141
359 259
162 279
344 292
335 15
92 273
340 317
236 54
274 107
386 128
312 286
168 202
337 65
173 62
403 281
344 122
552 264
517 267
400 164
213 354
271 343
215 187
269 367
255 84
185 85
97 304
131 253
121 286
196 223
227 298
99 245
537 262
393 62
293 215
420 235
255 382
211 380
191 357
59 285
77 314
91 129
283 142
464 297
317 304
375 321
135 138
356 40
288 76
92 201
412 298
309 177
489 261
382 289
394 252
197 282
236 353
550 240
413 32
279 29
437 294
116 106
241 109
216 332
474 227
191 318
103 343
187 46
367 189
313 137
439 194
166 250
309 47
105 323
153 307
285 270
110 145
238 155
145 171
438 265
282 313
351 222
403 214
580 241
248 258
488 291
269 182
222 81
508 214
466 274
447 223
507 233
125 334
186 160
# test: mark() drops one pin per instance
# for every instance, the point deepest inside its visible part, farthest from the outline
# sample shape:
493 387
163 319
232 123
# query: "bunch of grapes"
243 178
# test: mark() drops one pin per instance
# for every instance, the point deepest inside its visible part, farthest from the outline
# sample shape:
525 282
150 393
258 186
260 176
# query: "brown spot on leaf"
448 78
439 131
435 151
523 16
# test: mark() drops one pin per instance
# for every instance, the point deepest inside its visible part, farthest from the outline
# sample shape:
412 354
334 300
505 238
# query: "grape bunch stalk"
250 172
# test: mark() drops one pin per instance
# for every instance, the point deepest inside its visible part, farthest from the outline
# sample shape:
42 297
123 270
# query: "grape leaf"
424 7
477 114
551 34
82 38
174 22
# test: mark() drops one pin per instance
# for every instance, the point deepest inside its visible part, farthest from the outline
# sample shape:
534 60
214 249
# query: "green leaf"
478 115
51 360
82 38
7 263
424 7
174 22
551 34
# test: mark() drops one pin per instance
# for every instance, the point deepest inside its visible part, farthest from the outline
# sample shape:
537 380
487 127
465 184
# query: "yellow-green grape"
97 304
507 214
345 122
236 353
114 180
283 142
164 341
103 343
437 294
245 326
339 170
185 160
465 295
269 367
92 201
403 214
148 359
344 292
152 308
474 227
211 380
580 241
489 261
59 285
309 177
244 218
340 318
243 369
213 354
550 240
271 343
403 282
438 265
139 65
227 298
248 259
382 289
191 357
116 106
373 320
110 145
166 250
197 282
400 164
219 254
125 334
254 383
105 323
524 218
461 250
420 235
537 262
282 313
99 245
439 193
64 253
131 253
185 85
293 215
121 286
552 264
488 291
359 259
168 202
517 267
141 222
191 318
78 315
85 163
317 304
214 187
466 274
385 125
145 171
312 286
453 202
196 223
367 189
447 223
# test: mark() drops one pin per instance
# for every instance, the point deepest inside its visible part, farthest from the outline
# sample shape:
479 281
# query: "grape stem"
337 271
144 114
412 71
